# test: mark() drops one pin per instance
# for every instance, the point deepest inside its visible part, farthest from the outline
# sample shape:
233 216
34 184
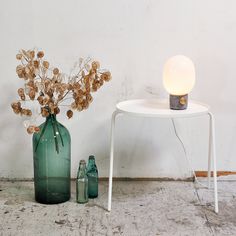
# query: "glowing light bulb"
179 80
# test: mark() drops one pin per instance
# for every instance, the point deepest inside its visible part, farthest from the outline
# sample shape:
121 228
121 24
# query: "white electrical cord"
189 162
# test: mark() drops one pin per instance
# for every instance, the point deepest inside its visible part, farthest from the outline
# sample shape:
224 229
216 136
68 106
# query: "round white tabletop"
159 108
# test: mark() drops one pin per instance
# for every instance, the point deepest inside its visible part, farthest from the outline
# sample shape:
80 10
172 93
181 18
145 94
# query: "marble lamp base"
178 102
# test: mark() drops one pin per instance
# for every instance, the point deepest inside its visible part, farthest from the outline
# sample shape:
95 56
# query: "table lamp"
178 80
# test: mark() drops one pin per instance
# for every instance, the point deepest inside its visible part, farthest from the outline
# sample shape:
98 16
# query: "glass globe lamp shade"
179 80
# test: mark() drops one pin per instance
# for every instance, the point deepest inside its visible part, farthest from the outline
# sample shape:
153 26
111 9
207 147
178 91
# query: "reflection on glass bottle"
92 173
82 183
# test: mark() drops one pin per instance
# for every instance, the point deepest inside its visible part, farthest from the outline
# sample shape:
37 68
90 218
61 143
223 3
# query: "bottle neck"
91 162
51 117
82 171
92 165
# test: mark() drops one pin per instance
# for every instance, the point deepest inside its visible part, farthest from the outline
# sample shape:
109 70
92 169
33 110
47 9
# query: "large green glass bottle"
82 183
52 162
92 173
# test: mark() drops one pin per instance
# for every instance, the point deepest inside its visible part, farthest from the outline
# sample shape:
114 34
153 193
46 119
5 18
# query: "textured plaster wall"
133 39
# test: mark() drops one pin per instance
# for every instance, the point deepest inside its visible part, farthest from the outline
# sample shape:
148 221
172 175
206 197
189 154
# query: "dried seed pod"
50 93
95 65
40 100
80 92
79 99
21 72
26 54
30 129
89 98
75 94
17 110
70 87
40 54
36 129
85 104
32 94
44 112
31 54
55 71
20 91
28 112
97 83
24 112
60 97
36 64
73 105
46 64
15 105
19 69
46 99
18 56
69 113
76 85
22 97
31 83
27 70
106 76
64 86
56 110
101 82
94 87
51 106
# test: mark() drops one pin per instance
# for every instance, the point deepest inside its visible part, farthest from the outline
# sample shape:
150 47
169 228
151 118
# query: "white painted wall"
133 39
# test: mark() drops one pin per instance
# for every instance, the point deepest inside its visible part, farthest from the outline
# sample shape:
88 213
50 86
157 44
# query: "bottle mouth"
91 157
82 162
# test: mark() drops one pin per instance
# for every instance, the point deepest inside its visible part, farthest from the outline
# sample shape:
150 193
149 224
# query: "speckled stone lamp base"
178 102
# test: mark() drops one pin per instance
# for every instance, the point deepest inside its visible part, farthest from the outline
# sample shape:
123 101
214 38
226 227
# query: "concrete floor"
139 208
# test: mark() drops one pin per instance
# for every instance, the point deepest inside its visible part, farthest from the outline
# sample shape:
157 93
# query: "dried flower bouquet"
50 88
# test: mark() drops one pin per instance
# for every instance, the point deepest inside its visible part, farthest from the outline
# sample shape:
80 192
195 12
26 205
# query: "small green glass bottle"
82 183
92 173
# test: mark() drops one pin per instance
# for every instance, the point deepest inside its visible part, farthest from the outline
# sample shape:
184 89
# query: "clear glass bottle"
82 183
92 173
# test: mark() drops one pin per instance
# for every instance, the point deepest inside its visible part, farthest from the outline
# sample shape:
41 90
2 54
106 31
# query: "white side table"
160 109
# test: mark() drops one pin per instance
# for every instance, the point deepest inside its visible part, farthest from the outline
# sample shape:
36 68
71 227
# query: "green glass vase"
52 162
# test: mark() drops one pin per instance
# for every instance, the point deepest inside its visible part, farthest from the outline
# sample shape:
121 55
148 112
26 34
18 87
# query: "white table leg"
209 153
111 158
213 156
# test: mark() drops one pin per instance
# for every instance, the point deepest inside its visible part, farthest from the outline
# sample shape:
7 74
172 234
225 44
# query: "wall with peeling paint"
133 39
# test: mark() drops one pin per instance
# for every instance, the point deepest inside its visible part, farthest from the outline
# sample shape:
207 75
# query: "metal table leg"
111 158
212 155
